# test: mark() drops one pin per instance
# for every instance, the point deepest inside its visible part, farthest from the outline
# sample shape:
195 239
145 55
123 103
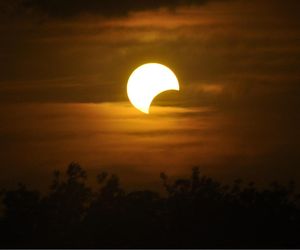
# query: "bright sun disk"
148 81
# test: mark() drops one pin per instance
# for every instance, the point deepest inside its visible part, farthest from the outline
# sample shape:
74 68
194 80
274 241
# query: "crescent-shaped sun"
148 81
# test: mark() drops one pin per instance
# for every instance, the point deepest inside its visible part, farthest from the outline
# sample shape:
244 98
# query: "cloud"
113 8
114 136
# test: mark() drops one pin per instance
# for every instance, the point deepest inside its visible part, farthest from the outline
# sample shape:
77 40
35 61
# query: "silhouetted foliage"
197 212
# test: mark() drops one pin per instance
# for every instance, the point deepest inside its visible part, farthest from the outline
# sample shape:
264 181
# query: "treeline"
197 212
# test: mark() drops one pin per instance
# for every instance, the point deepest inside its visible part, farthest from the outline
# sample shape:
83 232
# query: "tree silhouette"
195 212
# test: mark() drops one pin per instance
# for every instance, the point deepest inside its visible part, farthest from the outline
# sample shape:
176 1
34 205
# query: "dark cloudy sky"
64 68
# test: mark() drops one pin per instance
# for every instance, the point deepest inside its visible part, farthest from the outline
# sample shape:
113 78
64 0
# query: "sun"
148 81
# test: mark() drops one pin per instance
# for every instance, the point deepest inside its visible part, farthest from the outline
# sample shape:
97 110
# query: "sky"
64 69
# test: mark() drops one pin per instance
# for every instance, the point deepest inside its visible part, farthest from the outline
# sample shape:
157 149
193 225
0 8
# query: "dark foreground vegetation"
196 213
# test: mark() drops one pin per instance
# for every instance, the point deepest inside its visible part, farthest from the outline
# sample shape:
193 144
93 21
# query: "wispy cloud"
68 8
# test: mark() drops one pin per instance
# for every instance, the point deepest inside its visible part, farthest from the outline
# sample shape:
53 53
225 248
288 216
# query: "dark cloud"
70 8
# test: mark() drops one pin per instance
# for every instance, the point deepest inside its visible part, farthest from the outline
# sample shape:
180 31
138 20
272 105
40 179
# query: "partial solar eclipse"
147 82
